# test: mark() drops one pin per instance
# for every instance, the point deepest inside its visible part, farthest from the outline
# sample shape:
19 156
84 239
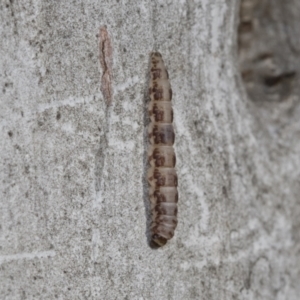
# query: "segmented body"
162 176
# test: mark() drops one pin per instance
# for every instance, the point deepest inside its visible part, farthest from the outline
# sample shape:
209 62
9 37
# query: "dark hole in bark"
268 62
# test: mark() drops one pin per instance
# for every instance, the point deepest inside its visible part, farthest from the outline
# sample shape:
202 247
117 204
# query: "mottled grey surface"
72 214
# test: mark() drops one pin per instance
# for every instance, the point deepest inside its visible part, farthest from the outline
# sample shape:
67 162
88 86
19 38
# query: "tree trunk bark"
74 200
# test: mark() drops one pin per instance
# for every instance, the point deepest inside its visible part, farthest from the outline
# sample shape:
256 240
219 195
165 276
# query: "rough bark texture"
73 195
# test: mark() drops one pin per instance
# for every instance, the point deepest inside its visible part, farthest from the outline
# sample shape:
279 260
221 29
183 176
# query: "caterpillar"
106 61
162 176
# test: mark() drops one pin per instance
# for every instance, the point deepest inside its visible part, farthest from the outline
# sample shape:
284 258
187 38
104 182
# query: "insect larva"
106 61
162 176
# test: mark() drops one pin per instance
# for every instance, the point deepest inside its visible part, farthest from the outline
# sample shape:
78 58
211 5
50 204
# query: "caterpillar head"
157 241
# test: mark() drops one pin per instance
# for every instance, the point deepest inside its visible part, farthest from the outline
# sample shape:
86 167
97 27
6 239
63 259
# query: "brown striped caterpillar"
106 61
162 176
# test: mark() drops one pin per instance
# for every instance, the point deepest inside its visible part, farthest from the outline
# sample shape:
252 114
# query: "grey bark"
73 195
